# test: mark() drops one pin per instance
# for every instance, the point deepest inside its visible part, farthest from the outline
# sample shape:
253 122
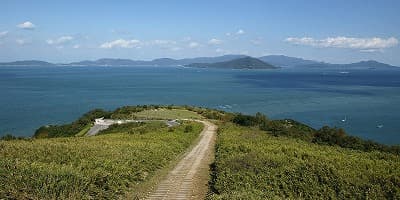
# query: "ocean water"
357 100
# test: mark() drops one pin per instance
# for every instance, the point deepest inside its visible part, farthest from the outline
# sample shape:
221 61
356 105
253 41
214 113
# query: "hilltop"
239 63
286 61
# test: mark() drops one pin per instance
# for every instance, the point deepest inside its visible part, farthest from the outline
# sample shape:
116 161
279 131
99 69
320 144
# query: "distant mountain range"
155 62
238 63
370 64
271 61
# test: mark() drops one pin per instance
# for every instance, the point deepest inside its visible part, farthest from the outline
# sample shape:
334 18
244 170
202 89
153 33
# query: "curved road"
189 177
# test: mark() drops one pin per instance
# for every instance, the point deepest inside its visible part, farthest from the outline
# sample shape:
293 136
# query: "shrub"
188 128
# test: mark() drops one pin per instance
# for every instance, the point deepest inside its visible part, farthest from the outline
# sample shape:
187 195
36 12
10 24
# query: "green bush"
336 136
8 137
188 128
324 136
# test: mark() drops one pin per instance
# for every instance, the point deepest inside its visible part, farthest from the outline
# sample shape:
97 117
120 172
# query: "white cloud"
176 49
222 51
3 34
194 45
371 50
162 42
240 32
26 25
214 41
121 43
77 46
364 44
21 41
60 40
187 39
245 52
228 34
256 41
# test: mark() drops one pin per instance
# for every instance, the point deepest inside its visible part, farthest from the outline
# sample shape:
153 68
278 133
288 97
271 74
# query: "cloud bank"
363 44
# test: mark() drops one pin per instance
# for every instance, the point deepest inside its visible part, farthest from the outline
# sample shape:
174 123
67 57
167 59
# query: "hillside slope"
119 164
239 63
251 164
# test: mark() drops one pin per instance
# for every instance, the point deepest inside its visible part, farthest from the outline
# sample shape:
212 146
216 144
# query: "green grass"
251 164
107 166
84 131
163 113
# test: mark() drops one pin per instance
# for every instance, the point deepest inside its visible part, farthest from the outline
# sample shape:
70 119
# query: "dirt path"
188 180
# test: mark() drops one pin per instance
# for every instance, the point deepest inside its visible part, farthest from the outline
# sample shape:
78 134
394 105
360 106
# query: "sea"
365 102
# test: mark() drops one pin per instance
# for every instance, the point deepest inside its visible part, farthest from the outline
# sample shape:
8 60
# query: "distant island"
27 63
225 61
239 63
370 64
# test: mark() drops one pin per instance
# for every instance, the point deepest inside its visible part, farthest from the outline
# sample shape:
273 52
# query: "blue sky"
331 31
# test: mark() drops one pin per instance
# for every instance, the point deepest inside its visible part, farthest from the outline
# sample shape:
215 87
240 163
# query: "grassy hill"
163 113
252 164
117 164
255 158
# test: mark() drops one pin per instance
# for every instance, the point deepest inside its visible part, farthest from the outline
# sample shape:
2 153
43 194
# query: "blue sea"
365 102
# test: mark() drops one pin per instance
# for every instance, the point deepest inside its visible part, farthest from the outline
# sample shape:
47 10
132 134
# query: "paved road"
187 178
96 129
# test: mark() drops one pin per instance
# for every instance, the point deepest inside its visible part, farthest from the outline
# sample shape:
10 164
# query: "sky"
340 31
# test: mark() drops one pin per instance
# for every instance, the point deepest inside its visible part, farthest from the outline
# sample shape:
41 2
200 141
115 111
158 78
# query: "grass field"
163 113
251 164
107 166
84 131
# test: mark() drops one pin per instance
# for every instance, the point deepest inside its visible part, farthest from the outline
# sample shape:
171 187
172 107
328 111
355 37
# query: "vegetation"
8 137
83 124
335 136
256 158
108 166
139 128
239 63
84 131
68 130
324 136
252 164
167 114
